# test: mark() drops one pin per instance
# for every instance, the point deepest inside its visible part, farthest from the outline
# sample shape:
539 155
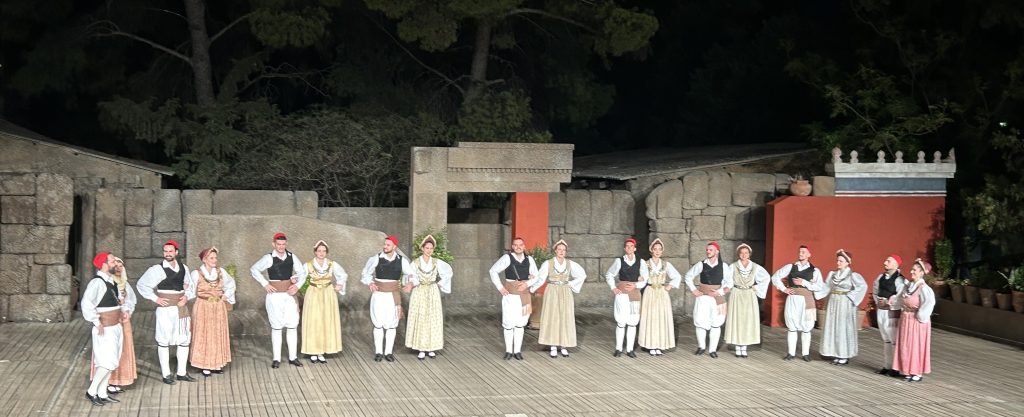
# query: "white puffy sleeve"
761 280
444 276
369 269
340 276
579 276
230 287
673 274
860 289
779 275
257 269
691 274
613 271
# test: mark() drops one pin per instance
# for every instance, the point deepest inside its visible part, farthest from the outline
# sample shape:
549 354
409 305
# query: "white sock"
97 380
378 341
164 353
702 336
182 359
630 338
293 343
620 334
887 355
716 333
739 350
554 350
508 340
791 343
275 341
517 340
104 383
389 340
805 343
744 350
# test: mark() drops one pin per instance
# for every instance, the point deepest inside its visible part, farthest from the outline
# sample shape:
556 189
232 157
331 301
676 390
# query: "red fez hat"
518 238
100 259
393 239
895 257
280 236
174 243
806 247
631 240
715 244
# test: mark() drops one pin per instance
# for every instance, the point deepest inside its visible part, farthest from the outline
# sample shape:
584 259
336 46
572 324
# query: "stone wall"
36 212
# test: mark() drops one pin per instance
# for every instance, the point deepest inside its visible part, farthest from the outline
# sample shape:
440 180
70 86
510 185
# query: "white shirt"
503 262
613 271
340 276
94 292
370 270
576 274
696 269
267 261
203 273
148 282
444 273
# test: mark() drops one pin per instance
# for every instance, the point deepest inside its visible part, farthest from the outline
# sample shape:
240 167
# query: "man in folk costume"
709 307
750 282
801 281
384 273
887 287
164 284
424 329
520 272
211 336
126 372
321 320
100 307
286 274
558 317
632 277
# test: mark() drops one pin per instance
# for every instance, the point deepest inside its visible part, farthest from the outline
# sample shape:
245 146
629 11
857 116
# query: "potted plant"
971 294
956 290
1004 298
987 290
943 251
799 186
1015 281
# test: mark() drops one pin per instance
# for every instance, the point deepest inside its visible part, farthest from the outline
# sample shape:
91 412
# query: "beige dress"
657 328
558 316
321 320
743 326
424 330
211 340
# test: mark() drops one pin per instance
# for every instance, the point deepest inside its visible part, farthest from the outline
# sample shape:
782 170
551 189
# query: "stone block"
781 184
55 200
58 279
49 258
137 242
32 239
719 189
39 307
17 184
137 267
728 250
196 202
488 238
758 253
556 209
750 199
737 222
708 227
665 201
594 246
3 307
602 213
138 207
18 209
603 266
756 221
623 212
697 252
674 243
167 211
715 211
668 225
259 202
109 224
688 214
463 241
751 182
37 279
14 274
159 239
307 204
824 186
695 190
577 211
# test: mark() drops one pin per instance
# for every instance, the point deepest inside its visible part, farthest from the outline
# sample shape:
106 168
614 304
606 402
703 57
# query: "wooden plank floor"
44 370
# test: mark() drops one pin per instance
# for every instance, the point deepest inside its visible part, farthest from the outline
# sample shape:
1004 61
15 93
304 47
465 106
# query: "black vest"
629 273
110 295
174 281
713 275
887 286
281 270
389 270
806 275
518 271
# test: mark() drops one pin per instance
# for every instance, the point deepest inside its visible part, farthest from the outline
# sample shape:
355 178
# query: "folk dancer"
801 281
657 327
164 284
215 290
321 319
558 316
750 282
286 274
709 307
424 330
520 272
126 372
632 277
100 307
839 332
384 273
913 354
887 287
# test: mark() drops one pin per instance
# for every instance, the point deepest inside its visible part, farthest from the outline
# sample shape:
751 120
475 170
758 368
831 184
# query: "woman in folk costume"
657 329
839 334
214 290
321 319
750 282
126 372
913 354
424 330
558 316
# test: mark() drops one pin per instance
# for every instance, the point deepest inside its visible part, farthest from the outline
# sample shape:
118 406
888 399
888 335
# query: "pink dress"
913 352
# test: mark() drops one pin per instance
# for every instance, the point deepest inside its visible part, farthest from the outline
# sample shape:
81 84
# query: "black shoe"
168 380
788 357
108 400
617 353
744 356
894 373
883 371
217 371
508 355
295 362
185 378
807 358
519 356
713 355
389 357
699 351
378 357
275 364
631 354
95 400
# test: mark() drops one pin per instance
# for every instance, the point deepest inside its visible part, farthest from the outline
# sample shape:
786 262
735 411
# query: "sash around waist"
806 294
390 286
634 294
280 285
110 318
712 291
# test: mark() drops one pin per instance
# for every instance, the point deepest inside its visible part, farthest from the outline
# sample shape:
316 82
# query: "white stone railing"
881 168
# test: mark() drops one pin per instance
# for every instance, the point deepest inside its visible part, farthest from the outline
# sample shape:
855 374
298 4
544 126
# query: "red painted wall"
530 218
870 228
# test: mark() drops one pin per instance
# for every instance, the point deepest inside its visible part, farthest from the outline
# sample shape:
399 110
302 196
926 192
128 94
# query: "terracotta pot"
1004 301
941 288
956 291
988 297
971 295
861 315
800 188
820 324
1018 301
